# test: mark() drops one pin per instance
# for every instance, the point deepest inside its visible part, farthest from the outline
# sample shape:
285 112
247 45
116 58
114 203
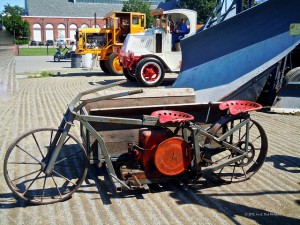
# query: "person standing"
180 30
73 47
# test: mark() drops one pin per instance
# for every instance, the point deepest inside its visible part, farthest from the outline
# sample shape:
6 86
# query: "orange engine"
162 152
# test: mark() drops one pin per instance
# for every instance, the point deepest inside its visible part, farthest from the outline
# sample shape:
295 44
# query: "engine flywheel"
173 156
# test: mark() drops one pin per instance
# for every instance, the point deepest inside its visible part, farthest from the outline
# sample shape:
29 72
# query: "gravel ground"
272 196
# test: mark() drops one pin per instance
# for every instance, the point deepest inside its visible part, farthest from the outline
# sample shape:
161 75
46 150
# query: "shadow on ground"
189 194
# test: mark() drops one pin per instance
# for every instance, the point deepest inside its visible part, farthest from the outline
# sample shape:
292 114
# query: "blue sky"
20 3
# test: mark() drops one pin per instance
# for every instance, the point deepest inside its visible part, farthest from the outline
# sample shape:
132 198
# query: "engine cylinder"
149 139
173 156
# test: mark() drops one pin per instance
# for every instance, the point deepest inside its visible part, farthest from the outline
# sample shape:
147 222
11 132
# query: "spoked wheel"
26 160
129 74
256 150
114 65
150 72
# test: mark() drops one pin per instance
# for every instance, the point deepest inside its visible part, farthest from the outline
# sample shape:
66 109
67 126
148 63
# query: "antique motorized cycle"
48 165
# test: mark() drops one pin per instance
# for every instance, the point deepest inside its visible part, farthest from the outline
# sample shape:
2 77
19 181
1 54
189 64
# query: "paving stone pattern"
270 197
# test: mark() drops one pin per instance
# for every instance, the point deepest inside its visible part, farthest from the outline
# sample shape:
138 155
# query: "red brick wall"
55 21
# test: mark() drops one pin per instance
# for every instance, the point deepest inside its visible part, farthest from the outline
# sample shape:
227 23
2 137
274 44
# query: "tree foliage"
205 7
13 9
138 6
14 23
202 7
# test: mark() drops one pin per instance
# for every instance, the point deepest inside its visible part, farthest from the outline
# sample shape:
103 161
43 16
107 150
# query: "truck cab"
103 42
147 56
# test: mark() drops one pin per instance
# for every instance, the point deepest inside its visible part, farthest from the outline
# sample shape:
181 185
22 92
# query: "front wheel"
256 150
150 72
114 65
104 66
129 74
25 162
56 59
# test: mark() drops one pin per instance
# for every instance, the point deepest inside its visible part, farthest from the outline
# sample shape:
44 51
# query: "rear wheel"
129 74
256 150
150 72
25 162
56 59
114 65
104 66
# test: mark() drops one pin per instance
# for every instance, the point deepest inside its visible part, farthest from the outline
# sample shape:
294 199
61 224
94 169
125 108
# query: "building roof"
65 8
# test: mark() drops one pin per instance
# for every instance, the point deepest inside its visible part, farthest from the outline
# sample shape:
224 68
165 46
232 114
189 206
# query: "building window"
61 31
72 31
49 32
37 32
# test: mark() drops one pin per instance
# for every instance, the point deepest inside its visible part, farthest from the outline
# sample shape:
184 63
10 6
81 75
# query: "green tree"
205 7
14 23
13 10
138 6
202 7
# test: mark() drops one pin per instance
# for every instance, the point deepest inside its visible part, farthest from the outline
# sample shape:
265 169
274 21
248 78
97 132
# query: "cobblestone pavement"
7 80
272 196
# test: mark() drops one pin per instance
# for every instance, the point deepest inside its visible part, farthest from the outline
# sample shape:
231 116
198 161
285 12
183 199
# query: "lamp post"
2 27
13 24
2 15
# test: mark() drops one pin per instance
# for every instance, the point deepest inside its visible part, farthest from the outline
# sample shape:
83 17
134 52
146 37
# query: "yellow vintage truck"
104 43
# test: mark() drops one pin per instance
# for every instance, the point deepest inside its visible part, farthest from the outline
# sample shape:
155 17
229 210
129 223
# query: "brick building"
59 19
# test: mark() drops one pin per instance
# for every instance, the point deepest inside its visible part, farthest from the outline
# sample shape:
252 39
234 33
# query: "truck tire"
129 74
104 66
114 65
292 75
150 72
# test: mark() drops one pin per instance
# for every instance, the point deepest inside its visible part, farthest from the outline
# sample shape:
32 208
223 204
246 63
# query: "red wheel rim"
151 72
